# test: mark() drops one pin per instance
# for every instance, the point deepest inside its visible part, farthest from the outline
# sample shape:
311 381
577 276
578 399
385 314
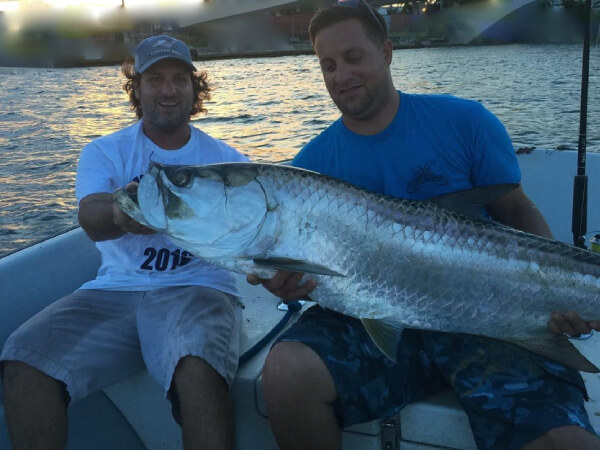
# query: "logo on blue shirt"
425 175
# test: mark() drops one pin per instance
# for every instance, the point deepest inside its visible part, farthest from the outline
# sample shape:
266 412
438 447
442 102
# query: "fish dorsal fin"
296 265
470 202
559 349
386 334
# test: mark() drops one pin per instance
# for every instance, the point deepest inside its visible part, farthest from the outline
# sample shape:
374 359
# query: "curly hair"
199 83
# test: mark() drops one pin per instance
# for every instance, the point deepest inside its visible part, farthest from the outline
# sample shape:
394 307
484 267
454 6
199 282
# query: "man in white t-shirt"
152 304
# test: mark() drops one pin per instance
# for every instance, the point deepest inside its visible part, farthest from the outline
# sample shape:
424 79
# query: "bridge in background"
468 23
220 9
237 26
464 23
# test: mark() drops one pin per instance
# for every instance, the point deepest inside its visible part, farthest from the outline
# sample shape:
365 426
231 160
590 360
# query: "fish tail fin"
559 349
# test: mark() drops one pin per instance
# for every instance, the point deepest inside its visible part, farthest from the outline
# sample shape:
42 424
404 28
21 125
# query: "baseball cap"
156 48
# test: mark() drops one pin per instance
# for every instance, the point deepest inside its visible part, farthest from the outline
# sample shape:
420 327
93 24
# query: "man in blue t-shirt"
324 373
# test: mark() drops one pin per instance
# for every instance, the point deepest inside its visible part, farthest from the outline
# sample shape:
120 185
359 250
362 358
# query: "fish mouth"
128 203
133 197
125 199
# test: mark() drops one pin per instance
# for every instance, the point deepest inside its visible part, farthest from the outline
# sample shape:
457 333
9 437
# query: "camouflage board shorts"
510 395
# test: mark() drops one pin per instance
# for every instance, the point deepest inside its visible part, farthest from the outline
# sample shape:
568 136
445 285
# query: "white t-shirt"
143 262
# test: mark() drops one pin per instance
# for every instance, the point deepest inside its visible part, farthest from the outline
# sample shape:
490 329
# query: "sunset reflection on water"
268 108
50 114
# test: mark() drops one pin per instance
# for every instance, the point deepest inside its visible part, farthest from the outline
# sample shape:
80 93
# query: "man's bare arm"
518 211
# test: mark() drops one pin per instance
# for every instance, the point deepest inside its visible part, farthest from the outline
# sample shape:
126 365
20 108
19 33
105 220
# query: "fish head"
212 210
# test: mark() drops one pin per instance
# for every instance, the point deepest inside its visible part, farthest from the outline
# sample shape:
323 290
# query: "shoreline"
212 56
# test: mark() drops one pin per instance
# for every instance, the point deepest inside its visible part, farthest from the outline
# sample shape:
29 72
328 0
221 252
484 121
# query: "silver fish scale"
423 265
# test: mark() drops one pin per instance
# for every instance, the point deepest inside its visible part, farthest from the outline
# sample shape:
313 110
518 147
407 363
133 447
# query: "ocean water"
268 108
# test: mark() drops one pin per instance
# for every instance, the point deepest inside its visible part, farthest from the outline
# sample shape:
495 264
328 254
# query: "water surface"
268 108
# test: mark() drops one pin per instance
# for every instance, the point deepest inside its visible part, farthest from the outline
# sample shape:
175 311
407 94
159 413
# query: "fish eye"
181 177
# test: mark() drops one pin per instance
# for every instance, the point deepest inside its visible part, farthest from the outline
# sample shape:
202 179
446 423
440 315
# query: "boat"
134 414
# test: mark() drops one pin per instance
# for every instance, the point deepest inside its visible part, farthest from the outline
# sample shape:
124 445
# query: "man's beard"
359 108
167 123
167 120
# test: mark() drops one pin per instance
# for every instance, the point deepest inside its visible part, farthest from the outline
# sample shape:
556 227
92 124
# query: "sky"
95 5
14 5
14 14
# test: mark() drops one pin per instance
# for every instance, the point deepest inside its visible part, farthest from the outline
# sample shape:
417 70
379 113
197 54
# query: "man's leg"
35 406
565 438
514 399
205 406
190 338
299 393
325 374
72 338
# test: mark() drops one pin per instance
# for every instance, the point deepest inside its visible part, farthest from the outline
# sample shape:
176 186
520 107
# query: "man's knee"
565 438
574 437
194 381
284 362
189 365
21 381
11 371
292 366
193 370
17 373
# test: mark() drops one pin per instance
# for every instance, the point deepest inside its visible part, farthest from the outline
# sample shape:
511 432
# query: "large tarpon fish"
390 262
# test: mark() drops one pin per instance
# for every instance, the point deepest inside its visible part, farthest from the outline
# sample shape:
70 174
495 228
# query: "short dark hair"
334 14
199 82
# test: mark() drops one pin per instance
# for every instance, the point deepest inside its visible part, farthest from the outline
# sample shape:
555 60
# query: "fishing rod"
580 184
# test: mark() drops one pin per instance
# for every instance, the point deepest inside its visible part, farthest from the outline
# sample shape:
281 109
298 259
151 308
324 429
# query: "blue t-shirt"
436 144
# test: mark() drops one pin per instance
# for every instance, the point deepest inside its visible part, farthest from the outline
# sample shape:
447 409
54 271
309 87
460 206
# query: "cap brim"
150 63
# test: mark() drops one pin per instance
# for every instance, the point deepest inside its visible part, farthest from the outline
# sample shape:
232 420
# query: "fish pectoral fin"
386 334
470 202
296 265
559 349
